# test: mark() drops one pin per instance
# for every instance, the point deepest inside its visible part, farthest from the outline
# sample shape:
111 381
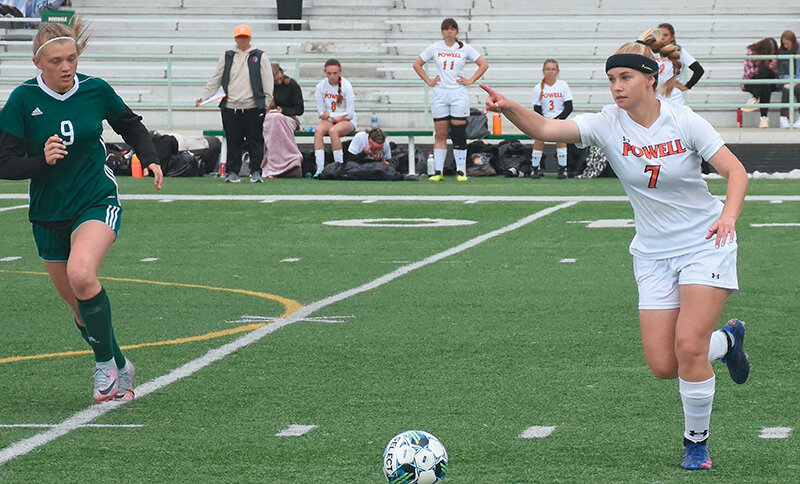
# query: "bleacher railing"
173 82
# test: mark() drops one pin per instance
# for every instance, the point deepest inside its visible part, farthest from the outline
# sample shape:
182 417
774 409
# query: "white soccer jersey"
665 73
659 167
326 99
450 61
360 141
553 99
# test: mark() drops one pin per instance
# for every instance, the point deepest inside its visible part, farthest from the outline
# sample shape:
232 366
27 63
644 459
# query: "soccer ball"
414 457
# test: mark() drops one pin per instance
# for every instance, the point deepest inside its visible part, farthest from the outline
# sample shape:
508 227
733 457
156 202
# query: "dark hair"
377 135
792 39
668 27
764 46
332 62
450 23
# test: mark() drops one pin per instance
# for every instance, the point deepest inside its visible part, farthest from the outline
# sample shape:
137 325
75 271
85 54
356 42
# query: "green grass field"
472 332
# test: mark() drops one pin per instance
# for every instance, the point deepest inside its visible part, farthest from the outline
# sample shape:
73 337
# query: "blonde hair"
52 32
650 42
541 86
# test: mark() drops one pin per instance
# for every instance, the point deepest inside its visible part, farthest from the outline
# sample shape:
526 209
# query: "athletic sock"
338 156
461 160
536 158
561 155
697 398
719 345
319 157
96 315
82 329
439 154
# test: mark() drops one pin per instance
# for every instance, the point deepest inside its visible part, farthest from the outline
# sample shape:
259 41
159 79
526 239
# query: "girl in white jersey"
337 113
450 106
552 98
684 250
666 72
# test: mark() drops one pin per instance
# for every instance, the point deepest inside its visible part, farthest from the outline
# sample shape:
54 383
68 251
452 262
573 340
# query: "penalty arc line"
87 415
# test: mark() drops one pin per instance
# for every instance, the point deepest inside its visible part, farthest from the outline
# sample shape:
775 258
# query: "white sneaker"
752 102
106 381
785 122
764 122
797 123
125 388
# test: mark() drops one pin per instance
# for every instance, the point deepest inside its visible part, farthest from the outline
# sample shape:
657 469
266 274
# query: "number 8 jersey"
81 179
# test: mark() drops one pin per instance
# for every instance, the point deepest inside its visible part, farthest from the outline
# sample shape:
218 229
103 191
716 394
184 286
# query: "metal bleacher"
160 54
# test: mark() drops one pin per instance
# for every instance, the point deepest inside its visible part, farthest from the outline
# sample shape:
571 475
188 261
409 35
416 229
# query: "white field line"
48 426
16 207
89 414
394 198
296 430
537 432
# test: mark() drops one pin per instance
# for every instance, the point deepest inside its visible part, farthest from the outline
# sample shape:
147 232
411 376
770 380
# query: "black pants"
762 92
785 98
243 128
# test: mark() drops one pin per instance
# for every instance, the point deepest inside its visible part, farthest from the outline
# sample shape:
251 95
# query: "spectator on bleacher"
50 133
665 67
450 105
760 69
337 113
282 158
245 75
368 146
788 46
685 249
552 98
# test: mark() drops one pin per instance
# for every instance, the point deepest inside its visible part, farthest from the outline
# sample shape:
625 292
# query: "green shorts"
53 238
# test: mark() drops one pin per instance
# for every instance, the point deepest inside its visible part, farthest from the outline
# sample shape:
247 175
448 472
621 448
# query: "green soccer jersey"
34 112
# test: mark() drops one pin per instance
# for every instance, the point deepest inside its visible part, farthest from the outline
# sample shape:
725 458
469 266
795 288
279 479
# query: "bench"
410 135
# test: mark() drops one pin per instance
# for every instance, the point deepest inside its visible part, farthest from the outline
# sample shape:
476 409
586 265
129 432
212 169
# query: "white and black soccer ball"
414 457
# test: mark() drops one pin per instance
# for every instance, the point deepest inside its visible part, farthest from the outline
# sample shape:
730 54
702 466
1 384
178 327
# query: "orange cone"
136 167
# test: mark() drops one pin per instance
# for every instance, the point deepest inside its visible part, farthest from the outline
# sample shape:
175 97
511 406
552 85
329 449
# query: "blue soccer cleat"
695 458
736 359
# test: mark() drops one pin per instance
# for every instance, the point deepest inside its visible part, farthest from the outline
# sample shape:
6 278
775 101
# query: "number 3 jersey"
450 62
553 99
81 179
659 167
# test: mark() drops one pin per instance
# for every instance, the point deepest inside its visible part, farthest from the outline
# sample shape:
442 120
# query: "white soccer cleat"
125 388
106 381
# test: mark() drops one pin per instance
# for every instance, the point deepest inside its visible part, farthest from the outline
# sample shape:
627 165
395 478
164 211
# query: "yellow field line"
290 307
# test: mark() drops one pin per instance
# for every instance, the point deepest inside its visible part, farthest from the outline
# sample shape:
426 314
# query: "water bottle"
310 128
374 122
497 124
431 164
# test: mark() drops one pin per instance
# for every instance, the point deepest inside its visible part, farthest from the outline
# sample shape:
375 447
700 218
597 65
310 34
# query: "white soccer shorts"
659 280
450 102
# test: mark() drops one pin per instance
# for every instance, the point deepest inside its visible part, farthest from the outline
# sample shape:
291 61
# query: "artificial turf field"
258 316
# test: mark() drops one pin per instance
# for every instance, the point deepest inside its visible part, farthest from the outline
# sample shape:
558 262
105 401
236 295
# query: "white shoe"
752 102
106 381
797 123
764 122
785 122
125 385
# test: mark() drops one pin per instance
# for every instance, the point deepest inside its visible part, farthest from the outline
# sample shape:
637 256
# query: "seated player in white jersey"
337 113
684 251
450 105
552 98
369 146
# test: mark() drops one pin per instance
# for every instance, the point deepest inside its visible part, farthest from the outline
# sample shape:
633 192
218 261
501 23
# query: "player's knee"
691 350
458 133
82 281
664 371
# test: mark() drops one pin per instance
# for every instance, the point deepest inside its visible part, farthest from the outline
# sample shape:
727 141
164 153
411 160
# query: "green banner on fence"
57 16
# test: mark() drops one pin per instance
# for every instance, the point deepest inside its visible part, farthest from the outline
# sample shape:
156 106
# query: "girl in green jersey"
50 133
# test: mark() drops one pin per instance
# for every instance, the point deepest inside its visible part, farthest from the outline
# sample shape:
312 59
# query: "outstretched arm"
729 166
531 123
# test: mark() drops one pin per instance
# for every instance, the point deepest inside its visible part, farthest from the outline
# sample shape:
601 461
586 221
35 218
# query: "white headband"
53 40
